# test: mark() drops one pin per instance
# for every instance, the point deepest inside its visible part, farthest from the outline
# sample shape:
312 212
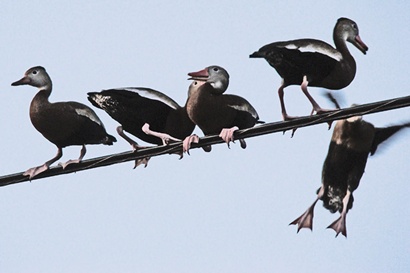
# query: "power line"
263 129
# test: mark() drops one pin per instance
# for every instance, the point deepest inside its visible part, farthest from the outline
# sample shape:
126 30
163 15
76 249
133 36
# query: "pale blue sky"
224 211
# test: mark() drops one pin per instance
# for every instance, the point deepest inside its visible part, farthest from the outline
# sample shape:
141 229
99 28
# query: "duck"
353 141
148 114
311 62
215 112
62 123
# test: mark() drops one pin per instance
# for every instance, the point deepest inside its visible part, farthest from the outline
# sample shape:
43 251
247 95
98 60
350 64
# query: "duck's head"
35 76
193 87
349 31
215 75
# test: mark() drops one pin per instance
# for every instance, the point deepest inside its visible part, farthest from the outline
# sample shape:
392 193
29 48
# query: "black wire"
267 128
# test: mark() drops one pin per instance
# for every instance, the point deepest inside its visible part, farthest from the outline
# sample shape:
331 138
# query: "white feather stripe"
154 95
88 114
245 108
332 53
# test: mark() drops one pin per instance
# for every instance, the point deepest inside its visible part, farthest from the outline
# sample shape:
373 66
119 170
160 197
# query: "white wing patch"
332 53
245 108
155 95
101 100
87 113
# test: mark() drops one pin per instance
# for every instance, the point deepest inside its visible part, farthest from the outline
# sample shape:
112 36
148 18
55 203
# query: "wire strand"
267 128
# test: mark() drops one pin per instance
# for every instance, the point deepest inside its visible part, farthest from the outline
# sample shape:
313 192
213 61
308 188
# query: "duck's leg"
227 134
285 116
186 143
281 93
164 137
315 105
306 219
39 169
142 161
340 224
75 161
134 146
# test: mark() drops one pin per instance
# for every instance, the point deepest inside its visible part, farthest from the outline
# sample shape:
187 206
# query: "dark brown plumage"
215 112
353 140
62 123
133 107
146 113
310 62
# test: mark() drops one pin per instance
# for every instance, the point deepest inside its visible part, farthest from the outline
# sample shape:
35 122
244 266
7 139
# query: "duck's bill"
201 75
360 45
22 81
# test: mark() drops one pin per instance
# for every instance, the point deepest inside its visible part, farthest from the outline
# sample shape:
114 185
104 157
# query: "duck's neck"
347 64
41 98
198 103
341 46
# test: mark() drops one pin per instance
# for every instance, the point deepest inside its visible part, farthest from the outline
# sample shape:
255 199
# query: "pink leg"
164 137
340 224
186 144
306 219
315 105
285 116
75 161
134 146
227 134
39 169
304 86
282 102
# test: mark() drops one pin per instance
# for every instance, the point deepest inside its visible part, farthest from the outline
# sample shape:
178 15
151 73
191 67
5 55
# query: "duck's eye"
35 72
354 26
215 69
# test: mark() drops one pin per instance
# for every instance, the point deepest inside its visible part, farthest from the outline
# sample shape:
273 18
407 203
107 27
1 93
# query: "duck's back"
133 107
213 112
68 123
297 58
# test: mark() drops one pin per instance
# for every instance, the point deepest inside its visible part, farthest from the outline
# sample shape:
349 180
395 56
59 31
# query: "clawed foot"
164 137
330 124
323 111
69 162
227 135
186 144
135 146
35 171
286 117
293 132
142 161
